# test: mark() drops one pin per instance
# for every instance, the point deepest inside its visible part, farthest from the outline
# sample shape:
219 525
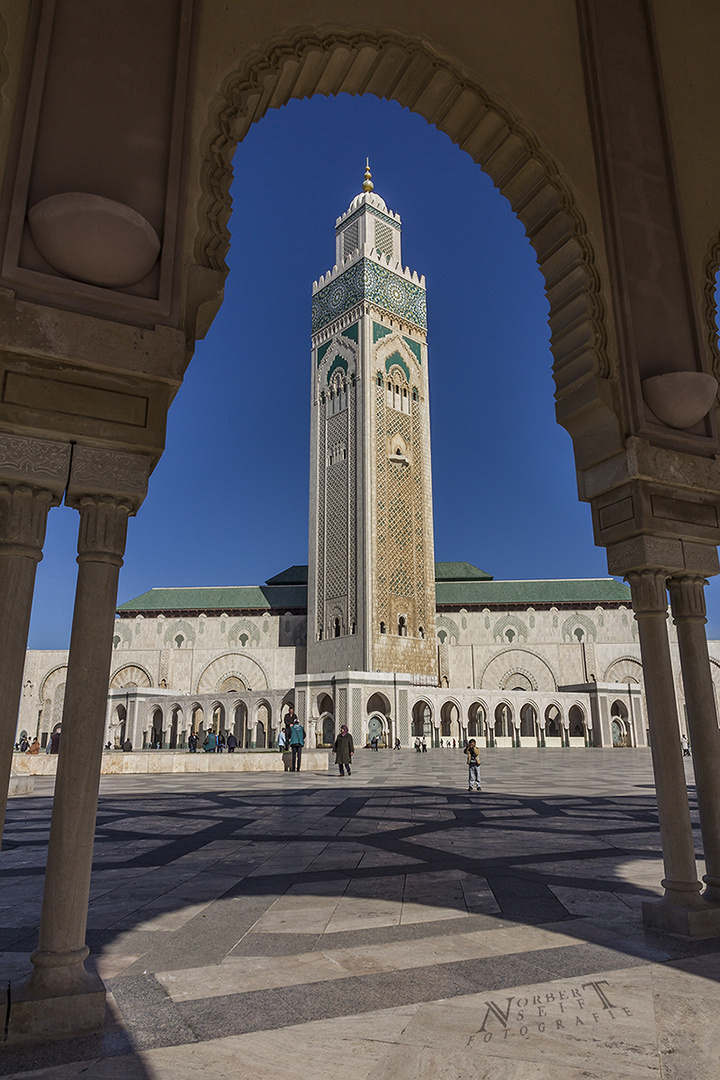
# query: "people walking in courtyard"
424 745
374 742
231 743
418 746
473 760
344 749
220 742
297 741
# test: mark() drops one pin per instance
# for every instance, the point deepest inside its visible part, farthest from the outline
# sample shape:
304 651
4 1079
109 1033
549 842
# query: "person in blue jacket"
297 741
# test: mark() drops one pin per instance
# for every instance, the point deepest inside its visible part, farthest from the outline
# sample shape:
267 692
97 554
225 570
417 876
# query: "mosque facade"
372 632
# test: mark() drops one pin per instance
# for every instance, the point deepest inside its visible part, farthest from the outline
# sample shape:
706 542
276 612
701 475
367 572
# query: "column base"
702 921
34 1016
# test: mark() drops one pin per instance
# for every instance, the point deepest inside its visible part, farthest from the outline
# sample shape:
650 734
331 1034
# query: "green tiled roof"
531 593
288 591
220 598
459 571
294 575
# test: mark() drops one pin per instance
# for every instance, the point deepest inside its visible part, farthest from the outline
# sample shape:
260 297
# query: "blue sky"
228 502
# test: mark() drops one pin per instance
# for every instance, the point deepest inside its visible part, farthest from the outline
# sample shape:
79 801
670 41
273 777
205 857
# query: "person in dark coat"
344 749
231 743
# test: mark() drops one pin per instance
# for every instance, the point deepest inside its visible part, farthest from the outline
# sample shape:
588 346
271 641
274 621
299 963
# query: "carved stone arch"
395 343
122 634
451 628
578 621
513 623
52 681
511 679
248 670
177 627
338 346
243 626
624 669
437 87
130 675
507 661
710 305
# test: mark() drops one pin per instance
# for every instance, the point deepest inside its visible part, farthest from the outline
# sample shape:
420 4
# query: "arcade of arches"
113 265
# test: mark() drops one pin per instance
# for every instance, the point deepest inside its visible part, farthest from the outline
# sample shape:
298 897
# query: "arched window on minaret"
336 627
402 626
382 628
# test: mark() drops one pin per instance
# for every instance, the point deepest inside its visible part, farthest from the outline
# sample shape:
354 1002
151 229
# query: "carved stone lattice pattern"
356 717
300 708
381 566
336 514
352 508
403 718
424 605
399 521
342 712
322 452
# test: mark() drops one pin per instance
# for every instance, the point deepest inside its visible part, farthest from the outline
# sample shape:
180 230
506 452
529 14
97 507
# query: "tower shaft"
371 591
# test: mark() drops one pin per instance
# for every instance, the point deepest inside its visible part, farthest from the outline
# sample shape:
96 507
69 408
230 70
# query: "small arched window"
421 632
382 627
402 626
336 627
179 640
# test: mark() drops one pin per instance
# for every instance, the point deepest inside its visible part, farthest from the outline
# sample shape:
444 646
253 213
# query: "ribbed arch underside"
410 73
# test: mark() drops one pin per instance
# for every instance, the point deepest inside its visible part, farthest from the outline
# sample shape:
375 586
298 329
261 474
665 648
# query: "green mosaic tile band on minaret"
366 280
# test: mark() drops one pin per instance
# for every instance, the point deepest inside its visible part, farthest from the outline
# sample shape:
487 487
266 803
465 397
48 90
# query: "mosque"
372 632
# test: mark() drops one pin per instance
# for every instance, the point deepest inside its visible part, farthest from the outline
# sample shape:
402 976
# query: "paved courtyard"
385 925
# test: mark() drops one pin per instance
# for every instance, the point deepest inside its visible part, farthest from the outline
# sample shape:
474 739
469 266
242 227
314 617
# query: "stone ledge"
177 761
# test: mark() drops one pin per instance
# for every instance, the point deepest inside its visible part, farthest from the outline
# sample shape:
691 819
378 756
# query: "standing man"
297 741
473 760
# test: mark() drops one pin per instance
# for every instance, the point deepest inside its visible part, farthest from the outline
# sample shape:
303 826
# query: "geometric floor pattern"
387 924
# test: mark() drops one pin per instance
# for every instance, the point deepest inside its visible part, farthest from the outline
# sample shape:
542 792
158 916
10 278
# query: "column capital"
23 519
687 596
649 592
103 528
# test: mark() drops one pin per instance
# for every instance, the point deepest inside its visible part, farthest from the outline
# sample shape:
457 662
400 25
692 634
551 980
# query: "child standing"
473 760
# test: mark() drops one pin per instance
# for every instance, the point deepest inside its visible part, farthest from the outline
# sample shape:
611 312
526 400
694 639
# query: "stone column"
682 888
33 475
688 608
61 996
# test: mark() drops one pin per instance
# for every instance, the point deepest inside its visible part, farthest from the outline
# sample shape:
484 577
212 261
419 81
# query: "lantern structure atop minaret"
371 590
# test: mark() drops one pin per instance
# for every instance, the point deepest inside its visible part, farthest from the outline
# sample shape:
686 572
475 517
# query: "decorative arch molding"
243 626
578 621
710 305
179 626
238 665
52 680
388 65
122 635
504 663
512 676
130 675
451 628
510 622
624 669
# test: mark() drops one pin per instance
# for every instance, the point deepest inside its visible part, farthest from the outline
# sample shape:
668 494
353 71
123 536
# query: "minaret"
371 591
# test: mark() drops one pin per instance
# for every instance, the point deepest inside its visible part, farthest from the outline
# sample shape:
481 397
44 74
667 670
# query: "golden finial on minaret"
367 182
